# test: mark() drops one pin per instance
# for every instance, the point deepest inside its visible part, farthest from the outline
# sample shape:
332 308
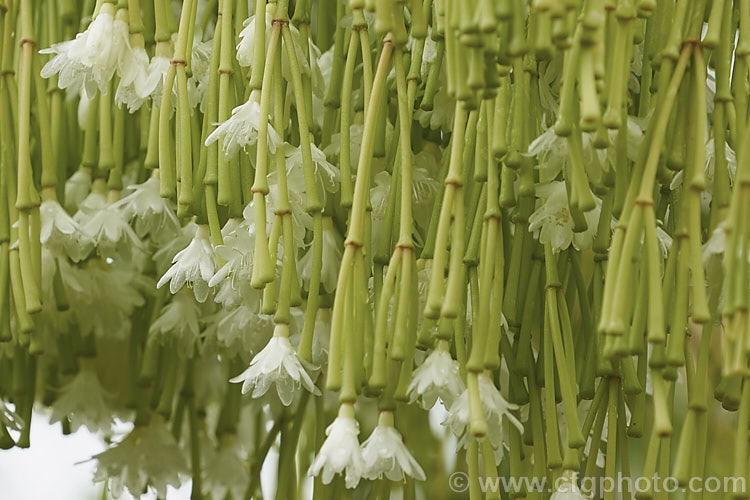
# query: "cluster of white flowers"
156 263
383 454
88 63
146 457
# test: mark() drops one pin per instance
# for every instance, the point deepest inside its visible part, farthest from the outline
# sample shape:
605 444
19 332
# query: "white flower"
379 194
326 173
278 364
241 129
301 219
61 234
153 214
340 451
494 406
554 219
226 476
171 247
244 329
552 154
153 83
233 278
319 83
200 65
664 240
437 377
242 295
157 71
77 188
424 188
195 266
111 233
89 61
134 70
82 111
551 151
731 159
715 244
355 144
94 201
141 78
333 247
245 49
385 454
178 322
323 65
103 296
148 456
84 402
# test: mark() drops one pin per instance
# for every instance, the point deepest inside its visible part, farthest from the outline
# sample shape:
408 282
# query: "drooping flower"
111 233
301 218
153 83
84 402
424 188
715 244
555 221
178 323
148 456
333 245
241 129
243 329
103 295
225 474
233 278
355 144
171 247
200 64
552 153
340 452
89 61
326 174
437 377
133 71
77 188
152 214
195 265
385 454
61 234
494 406
277 364
245 48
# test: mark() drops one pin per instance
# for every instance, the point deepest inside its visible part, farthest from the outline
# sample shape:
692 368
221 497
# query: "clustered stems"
534 212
